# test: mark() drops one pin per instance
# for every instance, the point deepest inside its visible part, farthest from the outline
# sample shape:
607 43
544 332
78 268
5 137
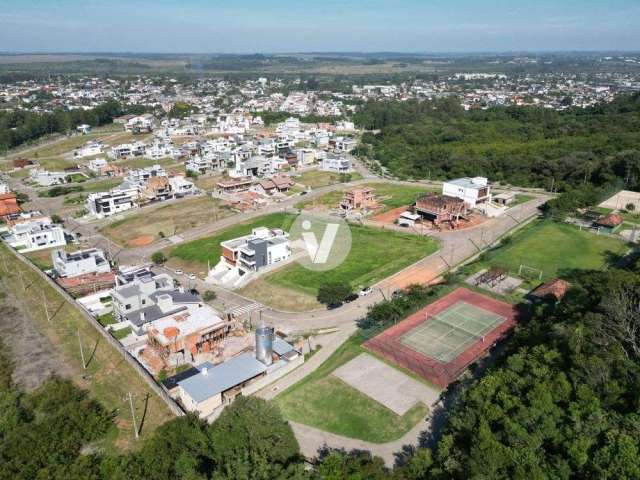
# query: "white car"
365 291
178 272
192 276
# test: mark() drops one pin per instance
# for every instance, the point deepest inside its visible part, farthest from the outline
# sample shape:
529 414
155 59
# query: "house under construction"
359 199
440 209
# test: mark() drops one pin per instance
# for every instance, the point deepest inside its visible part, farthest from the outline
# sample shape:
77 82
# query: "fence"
173 406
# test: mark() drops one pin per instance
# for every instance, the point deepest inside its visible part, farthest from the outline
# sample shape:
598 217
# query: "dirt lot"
35 357
171 219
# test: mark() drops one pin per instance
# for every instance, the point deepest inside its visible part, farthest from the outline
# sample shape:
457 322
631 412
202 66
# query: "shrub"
158 258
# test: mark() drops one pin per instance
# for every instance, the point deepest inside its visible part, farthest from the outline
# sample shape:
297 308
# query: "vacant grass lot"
375 254
318 178
393 195
389 195
108 378
169 219
325 402
195 254
553 247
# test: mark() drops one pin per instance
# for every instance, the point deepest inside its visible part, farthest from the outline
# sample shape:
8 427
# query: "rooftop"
212 381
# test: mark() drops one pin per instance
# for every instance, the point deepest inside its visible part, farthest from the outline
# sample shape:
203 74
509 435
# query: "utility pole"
46 307
133 417
21 279
84 365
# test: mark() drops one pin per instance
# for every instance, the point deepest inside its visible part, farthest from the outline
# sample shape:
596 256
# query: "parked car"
192 276
333 306
178 272
365 291
397 293
351 298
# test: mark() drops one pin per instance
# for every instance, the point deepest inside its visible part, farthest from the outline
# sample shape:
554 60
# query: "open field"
194 255
208 183
392 195
555 247
318 178
326 402
108 378
389 195
101 185
283 298
375 254
169 219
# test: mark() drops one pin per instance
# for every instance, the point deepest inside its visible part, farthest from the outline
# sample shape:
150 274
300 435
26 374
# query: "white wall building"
105 204
78 263
36 234
474 191
336 164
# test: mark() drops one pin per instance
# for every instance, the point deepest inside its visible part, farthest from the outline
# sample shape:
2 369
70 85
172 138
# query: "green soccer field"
556 247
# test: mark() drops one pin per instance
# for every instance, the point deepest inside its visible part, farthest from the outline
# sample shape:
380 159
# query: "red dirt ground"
442 374
141 241
391 215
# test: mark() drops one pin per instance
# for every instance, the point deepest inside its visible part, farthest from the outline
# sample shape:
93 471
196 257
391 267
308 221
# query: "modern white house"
243 256
97 164
181 186
89 149
78 263
36 234
105 204
336 164
474 191
140 123
125 150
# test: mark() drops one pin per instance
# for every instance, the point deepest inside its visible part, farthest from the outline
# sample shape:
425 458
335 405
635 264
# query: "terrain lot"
556 247
169 219
318 178
194 255
375 255
108 377
323 401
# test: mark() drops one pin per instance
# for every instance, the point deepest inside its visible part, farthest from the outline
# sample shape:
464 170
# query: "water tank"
264 344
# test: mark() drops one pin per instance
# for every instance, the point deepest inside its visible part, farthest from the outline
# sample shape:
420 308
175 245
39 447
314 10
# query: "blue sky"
309 25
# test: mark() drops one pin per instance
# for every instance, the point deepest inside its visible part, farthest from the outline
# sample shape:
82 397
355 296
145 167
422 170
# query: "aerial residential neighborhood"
313 241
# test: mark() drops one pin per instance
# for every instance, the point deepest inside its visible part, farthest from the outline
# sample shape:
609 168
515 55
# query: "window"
127 307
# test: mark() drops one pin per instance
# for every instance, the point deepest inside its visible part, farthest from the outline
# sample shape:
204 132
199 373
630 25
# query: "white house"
125 150
306 156
89 149
97 164
336 164
105 204
84 129
245 255
474 191
140 123
78 263
4 188
180 186
36 234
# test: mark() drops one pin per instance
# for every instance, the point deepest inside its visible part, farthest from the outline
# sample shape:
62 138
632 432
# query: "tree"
158 258
333 293
630 207
209 296
56 218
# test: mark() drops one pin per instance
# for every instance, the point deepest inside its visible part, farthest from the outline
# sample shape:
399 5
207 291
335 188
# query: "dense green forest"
524 146
19 126
561 402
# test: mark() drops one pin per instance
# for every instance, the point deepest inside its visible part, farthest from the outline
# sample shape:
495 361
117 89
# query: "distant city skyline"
251 26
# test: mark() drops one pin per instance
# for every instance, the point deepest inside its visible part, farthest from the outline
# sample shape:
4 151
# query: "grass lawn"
101 185
143 162
120 334
375 254
108 378
325 402
392 195
57 164
283 299
208 183
554 247
195 254
631 217
520 199
318 178
327 201
170 219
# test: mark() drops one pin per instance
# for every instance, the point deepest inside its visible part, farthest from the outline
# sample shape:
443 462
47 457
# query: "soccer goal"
530 273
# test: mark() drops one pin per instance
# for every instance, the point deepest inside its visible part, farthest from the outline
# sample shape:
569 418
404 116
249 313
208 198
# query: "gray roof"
281 347
222 377
177 296
151 313
128 291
